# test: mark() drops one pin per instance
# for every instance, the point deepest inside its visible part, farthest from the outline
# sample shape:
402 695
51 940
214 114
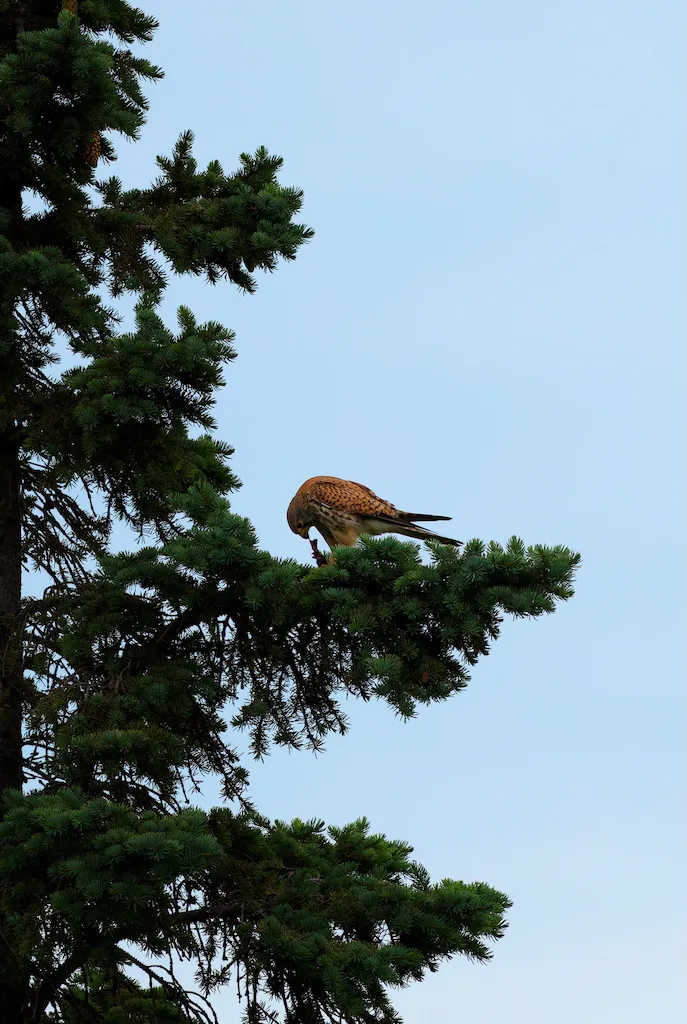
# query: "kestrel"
343 510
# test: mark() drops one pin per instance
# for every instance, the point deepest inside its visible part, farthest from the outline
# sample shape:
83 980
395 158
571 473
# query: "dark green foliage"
177 632
121 685
328 922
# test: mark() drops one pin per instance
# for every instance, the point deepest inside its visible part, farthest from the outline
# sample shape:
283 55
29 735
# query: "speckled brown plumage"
342 510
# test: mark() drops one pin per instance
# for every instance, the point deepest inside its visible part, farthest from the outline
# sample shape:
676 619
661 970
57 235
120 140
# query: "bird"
343 510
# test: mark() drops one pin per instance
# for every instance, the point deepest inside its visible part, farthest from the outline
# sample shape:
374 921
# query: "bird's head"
299 519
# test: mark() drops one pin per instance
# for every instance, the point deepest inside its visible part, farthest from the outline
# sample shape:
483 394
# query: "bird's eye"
299 524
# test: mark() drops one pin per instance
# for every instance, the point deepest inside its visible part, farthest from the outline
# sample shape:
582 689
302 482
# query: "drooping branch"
59 534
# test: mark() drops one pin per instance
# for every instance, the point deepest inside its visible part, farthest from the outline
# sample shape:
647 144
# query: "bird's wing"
349 496
386 511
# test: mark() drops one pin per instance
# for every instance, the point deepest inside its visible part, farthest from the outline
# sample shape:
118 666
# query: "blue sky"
489 324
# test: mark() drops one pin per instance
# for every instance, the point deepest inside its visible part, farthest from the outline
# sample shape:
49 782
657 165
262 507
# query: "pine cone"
92 150
70 5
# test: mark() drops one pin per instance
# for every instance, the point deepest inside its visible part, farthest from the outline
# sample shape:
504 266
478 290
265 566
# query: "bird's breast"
338 526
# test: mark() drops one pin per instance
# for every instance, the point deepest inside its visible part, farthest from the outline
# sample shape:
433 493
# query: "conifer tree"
122 684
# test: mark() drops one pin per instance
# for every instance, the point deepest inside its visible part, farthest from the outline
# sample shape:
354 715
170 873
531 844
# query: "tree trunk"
11 667
13 1006
11 673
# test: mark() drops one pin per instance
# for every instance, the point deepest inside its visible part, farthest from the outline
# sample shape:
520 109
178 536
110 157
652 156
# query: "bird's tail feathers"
419 533
419 517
